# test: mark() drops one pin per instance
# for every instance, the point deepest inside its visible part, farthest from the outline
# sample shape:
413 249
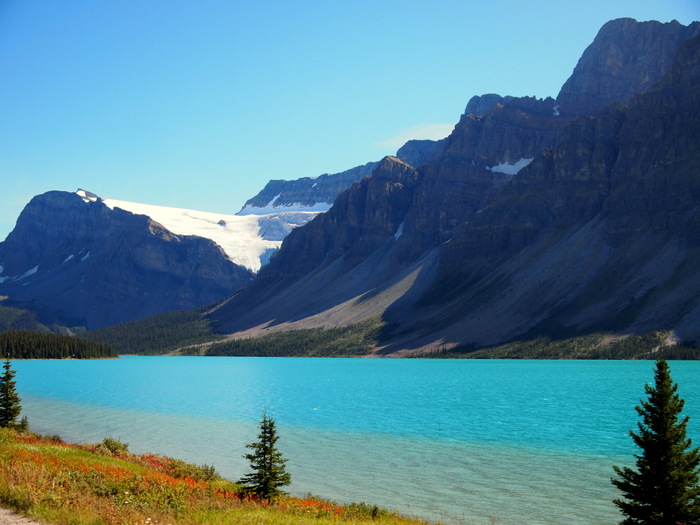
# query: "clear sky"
197 104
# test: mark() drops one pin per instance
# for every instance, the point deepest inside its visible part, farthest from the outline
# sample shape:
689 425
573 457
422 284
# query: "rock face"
82 264
626 57
538 216
305 193
417 152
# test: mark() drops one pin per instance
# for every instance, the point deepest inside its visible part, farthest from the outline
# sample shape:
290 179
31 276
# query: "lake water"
459 441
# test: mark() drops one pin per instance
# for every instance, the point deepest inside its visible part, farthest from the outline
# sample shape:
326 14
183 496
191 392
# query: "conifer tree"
267 464
664 488
10 407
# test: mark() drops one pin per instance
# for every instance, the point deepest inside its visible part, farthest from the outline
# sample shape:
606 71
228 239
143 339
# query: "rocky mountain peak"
625 58
73 260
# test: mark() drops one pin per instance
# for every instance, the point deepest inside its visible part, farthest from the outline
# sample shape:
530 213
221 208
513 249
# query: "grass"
58 483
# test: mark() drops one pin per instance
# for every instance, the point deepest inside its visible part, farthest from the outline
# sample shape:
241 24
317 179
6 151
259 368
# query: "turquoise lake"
456 441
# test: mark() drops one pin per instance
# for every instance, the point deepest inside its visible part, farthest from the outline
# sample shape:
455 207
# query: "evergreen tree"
664 488
268 472
10 407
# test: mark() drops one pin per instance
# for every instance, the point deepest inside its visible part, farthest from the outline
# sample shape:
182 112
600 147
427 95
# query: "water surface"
459 441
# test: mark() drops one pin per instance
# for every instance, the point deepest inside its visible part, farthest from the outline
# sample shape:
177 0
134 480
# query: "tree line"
36 345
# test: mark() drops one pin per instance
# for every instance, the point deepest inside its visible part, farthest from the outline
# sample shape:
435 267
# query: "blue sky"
197 104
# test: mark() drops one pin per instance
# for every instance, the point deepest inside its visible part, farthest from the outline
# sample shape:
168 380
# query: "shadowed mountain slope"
539 216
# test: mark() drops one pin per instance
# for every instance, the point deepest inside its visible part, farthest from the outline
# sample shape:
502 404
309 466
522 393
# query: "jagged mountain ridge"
445 269
319 193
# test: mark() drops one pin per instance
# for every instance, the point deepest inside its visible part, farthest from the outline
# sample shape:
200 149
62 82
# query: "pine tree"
10 407
267 464
664 488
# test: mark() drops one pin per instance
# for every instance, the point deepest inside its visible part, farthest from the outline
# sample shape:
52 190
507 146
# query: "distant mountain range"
534 217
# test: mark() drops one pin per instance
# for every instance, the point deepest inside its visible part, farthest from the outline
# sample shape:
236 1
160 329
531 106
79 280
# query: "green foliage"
34 345
158 334
363 511
664 489
653 345
180 469
354 340
19 319
267 464
112 447
10 406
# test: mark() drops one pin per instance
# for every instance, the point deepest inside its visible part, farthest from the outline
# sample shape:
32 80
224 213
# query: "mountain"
307 193
538 216
317 194
247 240
74 260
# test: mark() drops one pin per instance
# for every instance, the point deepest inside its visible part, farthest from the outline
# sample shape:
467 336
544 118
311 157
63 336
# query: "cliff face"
626 57
600 232
82 264
538 216
306 192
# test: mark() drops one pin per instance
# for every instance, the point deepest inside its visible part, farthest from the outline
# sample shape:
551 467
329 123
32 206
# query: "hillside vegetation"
653 345
174 332
158 334
347 341
20 319
59 483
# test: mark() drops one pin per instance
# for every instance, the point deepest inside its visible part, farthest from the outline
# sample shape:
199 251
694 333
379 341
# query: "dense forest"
35 345
158 334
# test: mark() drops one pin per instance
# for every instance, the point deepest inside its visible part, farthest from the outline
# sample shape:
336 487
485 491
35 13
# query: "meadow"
46 479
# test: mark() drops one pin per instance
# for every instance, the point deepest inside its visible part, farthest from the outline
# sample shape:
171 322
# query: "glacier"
248 240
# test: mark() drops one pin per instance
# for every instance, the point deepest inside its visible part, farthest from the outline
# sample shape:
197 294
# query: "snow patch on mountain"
247 240
510 169
319 207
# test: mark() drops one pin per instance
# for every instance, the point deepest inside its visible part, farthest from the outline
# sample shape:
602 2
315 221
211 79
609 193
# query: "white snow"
247 239
510 169
399 232
26 274
87 196
319 207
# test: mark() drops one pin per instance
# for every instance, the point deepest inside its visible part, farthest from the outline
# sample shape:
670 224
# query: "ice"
26 274
318 207
510 169
239 236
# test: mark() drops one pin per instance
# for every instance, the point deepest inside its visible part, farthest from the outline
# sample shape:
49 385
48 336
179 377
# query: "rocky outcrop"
307 192
417 152
625 58
80 263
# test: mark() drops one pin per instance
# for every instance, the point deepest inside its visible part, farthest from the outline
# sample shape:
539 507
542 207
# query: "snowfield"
248 240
